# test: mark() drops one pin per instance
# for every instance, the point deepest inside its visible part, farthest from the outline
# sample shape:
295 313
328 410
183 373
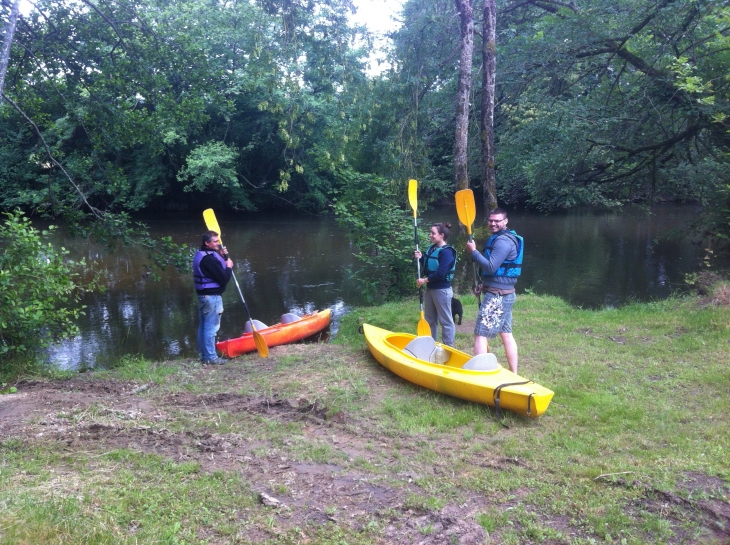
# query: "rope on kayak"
498 393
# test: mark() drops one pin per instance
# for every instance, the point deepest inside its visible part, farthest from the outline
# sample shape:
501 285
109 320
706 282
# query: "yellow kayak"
478 378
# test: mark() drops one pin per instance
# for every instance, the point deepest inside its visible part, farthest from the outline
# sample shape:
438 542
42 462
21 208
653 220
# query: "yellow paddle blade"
423 329
465 208
260 343
212 223
413 195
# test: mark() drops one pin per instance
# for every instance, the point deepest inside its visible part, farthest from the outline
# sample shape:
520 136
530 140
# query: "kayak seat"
289 318
482 362
421 348
259 326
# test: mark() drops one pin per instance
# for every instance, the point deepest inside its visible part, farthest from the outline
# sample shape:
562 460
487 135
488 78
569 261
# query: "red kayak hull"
278 334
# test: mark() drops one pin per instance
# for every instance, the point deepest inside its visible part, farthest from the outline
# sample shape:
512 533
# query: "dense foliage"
598 103
125 106
155 104
39 289
369 208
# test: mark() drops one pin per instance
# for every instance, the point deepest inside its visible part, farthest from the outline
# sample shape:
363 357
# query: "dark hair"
498 211
443 229
208 235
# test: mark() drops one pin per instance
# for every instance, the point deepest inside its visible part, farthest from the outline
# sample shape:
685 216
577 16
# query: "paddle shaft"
418 261
233 275
415 236
476 269
476 273
238 287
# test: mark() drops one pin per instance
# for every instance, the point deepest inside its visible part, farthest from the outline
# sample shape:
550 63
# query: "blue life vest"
431 260
202 282
510 268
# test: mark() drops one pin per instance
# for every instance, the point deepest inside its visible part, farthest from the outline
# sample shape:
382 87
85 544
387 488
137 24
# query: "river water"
291 263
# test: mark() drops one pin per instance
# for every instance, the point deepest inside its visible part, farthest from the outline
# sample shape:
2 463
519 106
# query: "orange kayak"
275 335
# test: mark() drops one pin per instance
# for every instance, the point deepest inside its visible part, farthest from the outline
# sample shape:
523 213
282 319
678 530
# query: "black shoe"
216 361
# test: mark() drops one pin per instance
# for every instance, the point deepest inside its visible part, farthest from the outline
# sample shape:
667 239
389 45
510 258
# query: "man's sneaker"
216 361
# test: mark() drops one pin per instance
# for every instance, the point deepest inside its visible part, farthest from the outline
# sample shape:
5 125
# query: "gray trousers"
437 308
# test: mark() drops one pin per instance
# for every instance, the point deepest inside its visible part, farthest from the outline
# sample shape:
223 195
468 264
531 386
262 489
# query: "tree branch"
686 134
109 22
551 6
93 209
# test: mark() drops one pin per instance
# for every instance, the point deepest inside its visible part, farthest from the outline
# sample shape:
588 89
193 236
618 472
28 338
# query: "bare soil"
40 413
136 416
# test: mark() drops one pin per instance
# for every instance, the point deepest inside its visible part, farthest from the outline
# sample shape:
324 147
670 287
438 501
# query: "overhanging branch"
91 208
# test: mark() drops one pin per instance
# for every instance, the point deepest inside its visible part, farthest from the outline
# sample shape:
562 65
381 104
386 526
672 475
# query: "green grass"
639 416
639 390
119 497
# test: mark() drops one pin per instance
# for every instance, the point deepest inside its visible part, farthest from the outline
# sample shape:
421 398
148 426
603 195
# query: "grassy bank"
633 449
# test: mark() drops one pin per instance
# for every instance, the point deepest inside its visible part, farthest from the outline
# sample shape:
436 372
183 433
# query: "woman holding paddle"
439 264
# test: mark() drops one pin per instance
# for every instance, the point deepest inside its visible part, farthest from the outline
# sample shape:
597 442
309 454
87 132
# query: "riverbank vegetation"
113 109
40 291
320 444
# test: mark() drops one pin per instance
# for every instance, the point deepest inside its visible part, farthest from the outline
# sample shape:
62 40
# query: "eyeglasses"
496 221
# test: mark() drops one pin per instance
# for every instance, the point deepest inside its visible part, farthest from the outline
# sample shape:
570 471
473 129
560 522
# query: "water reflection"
283 264
597 259
297 264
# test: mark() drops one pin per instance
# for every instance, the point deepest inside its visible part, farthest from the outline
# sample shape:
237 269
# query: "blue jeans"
210 308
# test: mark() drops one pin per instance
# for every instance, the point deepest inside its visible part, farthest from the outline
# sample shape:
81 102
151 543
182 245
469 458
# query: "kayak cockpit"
425 349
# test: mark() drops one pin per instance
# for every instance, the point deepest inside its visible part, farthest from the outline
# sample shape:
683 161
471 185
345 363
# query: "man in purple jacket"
211 273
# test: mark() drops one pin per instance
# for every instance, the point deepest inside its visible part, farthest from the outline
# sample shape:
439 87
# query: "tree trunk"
489 46
466 15
7 42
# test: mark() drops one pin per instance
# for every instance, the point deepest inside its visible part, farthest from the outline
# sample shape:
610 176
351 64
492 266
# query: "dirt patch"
292 409
99 416
467 326
368 477
44 401
450 525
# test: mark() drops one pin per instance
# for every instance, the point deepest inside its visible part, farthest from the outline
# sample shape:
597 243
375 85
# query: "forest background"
110 109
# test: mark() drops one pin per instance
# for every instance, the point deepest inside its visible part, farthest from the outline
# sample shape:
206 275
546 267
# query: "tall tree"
489 53
410 123
8 33
461 136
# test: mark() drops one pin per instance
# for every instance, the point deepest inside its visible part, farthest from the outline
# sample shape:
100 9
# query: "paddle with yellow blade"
423 329
212 223
467 212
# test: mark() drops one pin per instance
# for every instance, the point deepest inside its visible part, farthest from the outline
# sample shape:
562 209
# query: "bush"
371 208
40 290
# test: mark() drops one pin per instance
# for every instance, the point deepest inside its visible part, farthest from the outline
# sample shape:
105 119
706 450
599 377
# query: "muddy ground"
110 414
